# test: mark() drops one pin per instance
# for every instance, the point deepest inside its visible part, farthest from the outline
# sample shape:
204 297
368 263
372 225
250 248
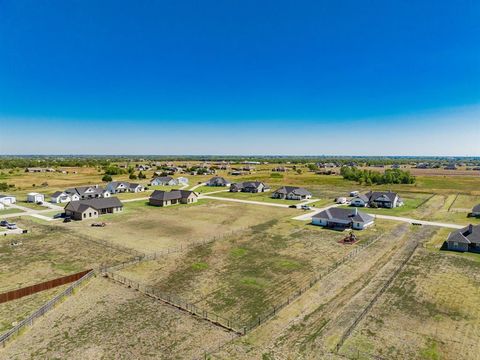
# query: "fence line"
159 254
359 318
177 302
44 309
33 289
309 284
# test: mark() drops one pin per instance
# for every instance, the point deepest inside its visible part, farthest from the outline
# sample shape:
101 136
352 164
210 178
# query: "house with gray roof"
341 219
217 181
466 239
249 186
476 211
87 192
60 197
163 181
291 193
380 199
167 198
116 187
93 208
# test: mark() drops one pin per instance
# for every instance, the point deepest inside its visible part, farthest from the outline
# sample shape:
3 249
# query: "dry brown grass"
104 320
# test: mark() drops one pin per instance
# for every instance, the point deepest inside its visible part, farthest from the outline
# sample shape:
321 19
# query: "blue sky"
240 77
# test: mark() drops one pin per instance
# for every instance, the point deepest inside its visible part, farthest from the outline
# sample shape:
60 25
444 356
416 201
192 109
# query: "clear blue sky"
240 77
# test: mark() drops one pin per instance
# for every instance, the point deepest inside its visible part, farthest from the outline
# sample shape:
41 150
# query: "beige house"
164 198
93 208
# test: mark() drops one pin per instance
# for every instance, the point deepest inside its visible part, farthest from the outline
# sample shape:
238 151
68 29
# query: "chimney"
470 229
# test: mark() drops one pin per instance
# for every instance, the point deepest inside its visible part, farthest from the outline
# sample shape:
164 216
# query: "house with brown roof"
167 198
93 208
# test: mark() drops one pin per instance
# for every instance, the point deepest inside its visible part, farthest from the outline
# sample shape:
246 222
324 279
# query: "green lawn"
29 205
10 211
264 197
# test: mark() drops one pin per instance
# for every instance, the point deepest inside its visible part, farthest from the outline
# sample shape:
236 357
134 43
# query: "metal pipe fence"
42 310
178 302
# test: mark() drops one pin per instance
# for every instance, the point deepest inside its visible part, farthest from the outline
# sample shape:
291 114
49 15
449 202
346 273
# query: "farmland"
243 276
256 256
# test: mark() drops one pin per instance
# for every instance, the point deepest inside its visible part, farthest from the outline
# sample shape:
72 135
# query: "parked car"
3 223
293 206
39 202
102 224
11 226
58 216
306 207
67 219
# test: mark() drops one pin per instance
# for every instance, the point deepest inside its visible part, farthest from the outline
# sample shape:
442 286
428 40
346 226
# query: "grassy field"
10 211
263 197
15 311
49 251
243 276
430 312
149 228
104 320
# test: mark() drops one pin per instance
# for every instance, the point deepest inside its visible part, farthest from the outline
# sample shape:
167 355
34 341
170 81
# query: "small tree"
132 176
141 175
107 178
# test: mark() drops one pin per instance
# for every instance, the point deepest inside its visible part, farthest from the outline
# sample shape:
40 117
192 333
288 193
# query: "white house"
340 219
182 180
7 199
164 181
34 197
62 197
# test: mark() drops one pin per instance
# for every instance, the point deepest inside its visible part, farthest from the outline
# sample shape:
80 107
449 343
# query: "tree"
141 175
3 186
106 178
132 176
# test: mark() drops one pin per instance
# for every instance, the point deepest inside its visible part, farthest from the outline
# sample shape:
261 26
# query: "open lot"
15 311
243 276
49 251
431 311
149 228
104 320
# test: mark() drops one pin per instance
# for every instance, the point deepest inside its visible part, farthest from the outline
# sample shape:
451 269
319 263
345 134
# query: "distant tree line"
369 177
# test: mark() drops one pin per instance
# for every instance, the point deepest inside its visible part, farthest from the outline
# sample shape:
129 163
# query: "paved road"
423 222
243 201
197 186
308 216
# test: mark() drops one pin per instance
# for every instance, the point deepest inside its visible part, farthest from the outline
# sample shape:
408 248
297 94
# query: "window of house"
455 244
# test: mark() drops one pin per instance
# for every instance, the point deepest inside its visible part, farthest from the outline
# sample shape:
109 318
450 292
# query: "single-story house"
340 219
182 180
87 192
466 239
163 181
34 197
166 198
7 199
116 187
381 199
476 211
61 197
292 193
218 181
93 208
143 167
249 186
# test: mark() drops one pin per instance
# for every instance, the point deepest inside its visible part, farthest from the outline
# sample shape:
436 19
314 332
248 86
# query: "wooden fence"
46 285
45 308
